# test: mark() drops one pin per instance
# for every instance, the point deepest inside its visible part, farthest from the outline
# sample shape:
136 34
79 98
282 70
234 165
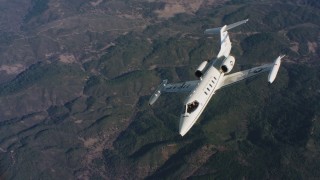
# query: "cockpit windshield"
184 109
192 106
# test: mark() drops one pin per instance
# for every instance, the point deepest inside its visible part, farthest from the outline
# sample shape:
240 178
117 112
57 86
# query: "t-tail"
224 36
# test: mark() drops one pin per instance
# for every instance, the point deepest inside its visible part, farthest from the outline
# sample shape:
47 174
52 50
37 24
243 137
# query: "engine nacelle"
227 64
200 69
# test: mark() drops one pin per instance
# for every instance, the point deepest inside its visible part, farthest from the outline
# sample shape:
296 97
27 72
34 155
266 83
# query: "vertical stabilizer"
224 37
225 47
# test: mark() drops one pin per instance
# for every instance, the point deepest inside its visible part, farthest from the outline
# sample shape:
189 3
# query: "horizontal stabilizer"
226 28
212 31
236 24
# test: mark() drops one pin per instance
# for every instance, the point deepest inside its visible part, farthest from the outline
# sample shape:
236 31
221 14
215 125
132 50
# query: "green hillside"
76 78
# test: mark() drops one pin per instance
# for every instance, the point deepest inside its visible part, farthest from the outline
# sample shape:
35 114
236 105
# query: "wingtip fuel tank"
157 93
274 71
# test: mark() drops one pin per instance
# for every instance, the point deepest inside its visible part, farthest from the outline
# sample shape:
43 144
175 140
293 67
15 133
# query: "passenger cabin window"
192 106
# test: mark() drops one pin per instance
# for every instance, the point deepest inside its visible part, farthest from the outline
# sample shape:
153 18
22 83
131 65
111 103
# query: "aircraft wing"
242 75
180 87
177 87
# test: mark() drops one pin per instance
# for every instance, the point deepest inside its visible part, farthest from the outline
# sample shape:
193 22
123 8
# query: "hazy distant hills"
76 77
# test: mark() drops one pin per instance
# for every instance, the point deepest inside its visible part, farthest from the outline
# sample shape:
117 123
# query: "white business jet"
212 76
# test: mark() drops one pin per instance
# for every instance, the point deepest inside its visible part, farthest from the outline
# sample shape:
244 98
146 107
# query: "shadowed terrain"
76 76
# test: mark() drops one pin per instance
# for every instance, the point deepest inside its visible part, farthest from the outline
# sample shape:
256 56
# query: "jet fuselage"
212 76
198 99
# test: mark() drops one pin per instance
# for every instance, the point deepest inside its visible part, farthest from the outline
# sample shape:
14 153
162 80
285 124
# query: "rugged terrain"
76 77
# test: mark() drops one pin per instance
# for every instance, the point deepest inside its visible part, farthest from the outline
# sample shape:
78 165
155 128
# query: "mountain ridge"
76 77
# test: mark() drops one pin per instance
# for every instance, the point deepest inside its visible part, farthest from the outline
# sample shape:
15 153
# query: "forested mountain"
76 76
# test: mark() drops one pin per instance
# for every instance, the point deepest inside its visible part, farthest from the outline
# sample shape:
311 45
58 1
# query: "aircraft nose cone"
183 126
